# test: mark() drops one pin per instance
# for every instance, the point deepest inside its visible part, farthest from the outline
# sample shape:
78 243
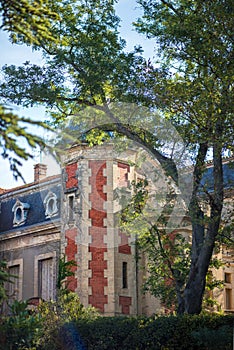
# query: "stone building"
30 239
76 214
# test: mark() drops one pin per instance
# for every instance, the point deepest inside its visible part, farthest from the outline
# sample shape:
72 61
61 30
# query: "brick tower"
105 276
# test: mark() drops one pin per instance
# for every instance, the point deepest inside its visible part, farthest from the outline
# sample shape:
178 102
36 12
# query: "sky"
128 11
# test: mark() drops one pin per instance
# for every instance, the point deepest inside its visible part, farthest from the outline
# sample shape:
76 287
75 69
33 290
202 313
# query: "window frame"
37 260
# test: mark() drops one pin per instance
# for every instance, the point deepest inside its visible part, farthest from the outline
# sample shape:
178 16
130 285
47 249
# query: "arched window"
51 205
20 211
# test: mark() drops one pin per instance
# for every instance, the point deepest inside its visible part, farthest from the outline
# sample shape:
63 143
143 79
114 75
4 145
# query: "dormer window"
51 206
20 211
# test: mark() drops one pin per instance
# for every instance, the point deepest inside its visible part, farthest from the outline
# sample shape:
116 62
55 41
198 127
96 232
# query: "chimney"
39 172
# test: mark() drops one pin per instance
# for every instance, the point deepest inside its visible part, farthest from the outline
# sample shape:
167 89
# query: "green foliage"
213 338
137 203
64 271
13 129
57 325
55 314
88 54
195 47
86 65
38 329
195 39
157 333
19 330
170 271
209 302
167 278
28 21
167 253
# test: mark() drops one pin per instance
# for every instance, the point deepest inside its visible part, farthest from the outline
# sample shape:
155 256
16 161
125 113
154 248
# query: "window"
45 275
71 208
46 279
125 275
227 277
228 299
19 214
20 211
50 203
13 287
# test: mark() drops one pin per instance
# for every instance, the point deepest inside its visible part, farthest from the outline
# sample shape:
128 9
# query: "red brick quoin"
72 180
70 253
124 247
97 231
125 303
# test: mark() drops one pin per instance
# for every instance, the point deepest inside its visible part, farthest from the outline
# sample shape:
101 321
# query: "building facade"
76 215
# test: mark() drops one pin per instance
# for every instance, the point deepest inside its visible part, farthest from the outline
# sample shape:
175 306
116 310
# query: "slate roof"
228 174
36 213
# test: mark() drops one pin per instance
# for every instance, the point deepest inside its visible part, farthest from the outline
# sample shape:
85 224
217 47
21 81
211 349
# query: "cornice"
37 229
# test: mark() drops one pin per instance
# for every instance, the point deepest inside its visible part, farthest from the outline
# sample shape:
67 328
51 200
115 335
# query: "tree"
86 65
195 38
168 253
12 127
27 22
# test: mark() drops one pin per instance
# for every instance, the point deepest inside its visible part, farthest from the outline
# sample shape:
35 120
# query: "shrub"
160 333
41 328
67 325
56 314
214 339
19 330
106 332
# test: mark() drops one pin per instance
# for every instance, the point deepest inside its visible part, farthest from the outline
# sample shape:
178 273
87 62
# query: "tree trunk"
180 300
204 235
195 286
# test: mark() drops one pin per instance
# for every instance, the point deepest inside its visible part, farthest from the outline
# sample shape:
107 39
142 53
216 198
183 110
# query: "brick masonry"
97 231
72 181
125 303
124 247
71 248
70 252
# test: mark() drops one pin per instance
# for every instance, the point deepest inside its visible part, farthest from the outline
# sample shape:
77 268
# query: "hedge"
208 332
201 332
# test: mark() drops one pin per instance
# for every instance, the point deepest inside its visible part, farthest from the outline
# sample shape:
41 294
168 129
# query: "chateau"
75 215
